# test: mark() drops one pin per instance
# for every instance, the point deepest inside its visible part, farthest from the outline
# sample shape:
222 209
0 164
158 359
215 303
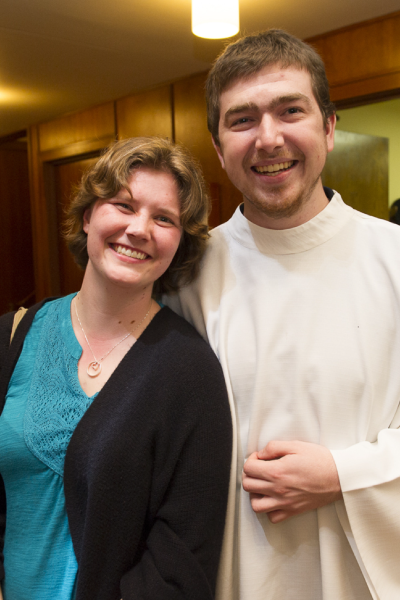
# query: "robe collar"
315 232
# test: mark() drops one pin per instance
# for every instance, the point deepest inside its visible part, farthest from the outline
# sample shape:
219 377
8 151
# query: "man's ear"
330 132
218 151
86 219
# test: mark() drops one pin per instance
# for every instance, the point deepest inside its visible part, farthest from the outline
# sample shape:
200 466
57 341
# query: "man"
299 296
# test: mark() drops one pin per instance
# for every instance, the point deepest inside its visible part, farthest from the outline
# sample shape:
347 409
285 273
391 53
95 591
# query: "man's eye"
294 110
124 206
241 121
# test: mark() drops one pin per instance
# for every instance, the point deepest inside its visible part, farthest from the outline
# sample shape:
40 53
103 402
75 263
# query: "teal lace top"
44 404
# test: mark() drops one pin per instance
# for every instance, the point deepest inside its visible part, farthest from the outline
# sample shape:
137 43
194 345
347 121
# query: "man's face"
273 146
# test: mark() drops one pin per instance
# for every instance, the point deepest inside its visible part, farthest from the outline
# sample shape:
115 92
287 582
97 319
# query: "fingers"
257 485
276 449
260 476
270 506
277 516
261 503
268 470
257 468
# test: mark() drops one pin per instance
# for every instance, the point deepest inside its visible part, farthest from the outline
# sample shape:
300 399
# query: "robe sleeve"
369 474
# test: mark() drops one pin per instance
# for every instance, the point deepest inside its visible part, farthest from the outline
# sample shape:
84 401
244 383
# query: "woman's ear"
86 219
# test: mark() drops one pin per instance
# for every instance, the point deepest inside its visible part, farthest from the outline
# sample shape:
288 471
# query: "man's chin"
276 209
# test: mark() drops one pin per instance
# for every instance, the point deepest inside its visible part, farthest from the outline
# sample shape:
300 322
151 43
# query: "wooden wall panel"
149 113
362 59
44 224
78 128
191 130
17 284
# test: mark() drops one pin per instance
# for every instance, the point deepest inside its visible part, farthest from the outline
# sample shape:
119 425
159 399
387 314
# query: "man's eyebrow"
251 106
290 98
239 108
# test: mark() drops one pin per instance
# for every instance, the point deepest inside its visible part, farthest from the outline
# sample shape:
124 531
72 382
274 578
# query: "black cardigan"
147 468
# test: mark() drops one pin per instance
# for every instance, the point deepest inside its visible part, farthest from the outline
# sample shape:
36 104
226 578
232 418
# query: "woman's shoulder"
39 309
182 357
174 331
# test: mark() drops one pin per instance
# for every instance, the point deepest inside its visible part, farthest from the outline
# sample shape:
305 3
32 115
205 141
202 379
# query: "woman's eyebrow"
123 194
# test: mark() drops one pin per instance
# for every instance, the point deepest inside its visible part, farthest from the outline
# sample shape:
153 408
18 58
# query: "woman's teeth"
131 253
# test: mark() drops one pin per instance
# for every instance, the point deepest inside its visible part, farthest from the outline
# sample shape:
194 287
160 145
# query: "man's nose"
269 134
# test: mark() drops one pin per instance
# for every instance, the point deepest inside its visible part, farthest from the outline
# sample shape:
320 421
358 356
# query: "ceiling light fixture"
215 19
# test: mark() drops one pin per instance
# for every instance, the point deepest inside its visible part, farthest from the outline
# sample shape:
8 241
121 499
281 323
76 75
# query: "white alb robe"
306 325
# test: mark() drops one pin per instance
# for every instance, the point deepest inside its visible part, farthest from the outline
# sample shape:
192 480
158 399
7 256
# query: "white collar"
291 241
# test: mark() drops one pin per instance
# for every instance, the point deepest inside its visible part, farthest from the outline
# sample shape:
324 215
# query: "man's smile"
274 169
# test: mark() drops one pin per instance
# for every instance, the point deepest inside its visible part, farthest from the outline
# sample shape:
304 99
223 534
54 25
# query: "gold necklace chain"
94 367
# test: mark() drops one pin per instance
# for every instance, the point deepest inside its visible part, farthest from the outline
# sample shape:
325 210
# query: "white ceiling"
58 56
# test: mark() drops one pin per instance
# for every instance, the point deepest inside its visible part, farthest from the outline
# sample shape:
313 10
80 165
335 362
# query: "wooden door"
17 286
358 169
66 176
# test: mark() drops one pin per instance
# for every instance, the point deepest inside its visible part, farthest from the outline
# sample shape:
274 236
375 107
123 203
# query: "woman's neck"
108 310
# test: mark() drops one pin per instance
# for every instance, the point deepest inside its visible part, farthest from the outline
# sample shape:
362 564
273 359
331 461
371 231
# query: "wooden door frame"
43 203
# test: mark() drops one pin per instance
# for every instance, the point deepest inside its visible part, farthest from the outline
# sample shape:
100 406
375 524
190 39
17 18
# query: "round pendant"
94 369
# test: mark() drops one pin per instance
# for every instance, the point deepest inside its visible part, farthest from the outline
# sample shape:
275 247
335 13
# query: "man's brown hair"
111 174
252 53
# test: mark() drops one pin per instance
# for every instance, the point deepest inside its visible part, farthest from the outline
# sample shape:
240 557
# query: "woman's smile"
126 251
133 237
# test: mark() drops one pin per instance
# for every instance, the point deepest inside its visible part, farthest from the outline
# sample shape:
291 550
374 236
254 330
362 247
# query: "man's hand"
289 478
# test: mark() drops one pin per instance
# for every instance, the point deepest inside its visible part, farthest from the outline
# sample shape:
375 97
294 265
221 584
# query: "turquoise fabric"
44 404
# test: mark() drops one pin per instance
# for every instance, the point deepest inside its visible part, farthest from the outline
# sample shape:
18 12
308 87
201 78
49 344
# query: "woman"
115 436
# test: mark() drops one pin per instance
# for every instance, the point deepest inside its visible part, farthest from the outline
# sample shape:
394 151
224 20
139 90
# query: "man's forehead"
274 84
277 70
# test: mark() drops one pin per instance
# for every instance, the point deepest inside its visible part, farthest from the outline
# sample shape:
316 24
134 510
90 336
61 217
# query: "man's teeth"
275 167
131 253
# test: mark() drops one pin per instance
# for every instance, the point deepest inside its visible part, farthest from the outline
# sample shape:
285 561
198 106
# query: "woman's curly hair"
111 173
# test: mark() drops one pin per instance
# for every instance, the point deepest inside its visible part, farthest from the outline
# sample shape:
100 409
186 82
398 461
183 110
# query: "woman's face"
132 238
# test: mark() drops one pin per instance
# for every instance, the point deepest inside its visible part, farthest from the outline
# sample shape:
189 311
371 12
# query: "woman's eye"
124 205
165 220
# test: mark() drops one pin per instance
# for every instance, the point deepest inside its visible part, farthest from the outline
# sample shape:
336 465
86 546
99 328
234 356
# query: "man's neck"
307 211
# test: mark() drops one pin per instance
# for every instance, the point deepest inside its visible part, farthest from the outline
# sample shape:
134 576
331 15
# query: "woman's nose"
139 226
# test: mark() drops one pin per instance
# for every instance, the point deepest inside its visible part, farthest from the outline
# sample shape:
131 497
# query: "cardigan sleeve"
182 548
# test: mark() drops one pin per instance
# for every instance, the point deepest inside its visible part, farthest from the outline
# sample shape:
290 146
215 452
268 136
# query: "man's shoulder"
378 228
217 245
219 234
